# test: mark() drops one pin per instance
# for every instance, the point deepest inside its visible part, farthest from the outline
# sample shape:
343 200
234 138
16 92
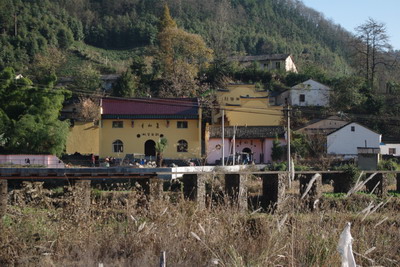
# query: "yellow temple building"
133 126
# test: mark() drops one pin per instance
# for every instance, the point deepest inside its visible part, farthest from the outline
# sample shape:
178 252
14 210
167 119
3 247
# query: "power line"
254 110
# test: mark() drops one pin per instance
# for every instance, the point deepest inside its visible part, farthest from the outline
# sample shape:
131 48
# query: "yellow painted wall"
237 90
147 129
254 112
83 137
251 111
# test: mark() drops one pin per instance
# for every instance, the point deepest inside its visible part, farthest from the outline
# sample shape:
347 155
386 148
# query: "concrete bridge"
195 179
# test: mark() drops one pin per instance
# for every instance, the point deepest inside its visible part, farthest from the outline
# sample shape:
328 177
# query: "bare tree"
88 109
219 31
372 45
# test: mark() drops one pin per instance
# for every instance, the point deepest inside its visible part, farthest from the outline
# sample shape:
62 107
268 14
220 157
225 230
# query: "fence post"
310 189
82 196
378 184
236 189
163 259
155 187
194 188
274 190
3 197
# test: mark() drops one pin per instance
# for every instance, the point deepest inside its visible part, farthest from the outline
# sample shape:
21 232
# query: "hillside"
229 27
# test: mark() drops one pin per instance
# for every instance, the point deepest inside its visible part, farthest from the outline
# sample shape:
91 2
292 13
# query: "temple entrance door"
246 155
150 148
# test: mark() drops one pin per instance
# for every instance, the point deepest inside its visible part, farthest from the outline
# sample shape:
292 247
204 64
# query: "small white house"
390 147
310 93
345 140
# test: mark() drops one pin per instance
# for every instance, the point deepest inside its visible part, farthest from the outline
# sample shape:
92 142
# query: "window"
277 65
118 146
182 124
302 98
182 146
353 128
118 124
392 151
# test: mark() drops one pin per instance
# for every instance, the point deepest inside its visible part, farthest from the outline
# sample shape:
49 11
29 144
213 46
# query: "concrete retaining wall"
273 190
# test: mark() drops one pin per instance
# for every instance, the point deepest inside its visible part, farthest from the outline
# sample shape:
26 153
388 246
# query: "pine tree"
166 20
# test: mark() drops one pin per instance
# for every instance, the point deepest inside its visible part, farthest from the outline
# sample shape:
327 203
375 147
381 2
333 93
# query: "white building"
282 62
345 140
310 93
390 147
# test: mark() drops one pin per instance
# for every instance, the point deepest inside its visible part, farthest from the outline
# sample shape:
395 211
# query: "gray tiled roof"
244 132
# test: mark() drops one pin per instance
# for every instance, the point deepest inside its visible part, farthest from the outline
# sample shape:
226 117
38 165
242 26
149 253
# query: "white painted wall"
385 149
345 142
315 94
289 65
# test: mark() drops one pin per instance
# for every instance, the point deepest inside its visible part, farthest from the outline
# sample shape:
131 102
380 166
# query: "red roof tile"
150 106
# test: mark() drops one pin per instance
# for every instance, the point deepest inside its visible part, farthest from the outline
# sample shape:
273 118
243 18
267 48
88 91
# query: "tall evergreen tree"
29 115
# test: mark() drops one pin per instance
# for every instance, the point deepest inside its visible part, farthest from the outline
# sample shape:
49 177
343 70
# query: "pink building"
251 142
48 161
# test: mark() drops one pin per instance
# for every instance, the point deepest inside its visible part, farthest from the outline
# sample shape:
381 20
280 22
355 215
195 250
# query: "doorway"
246 155
150 148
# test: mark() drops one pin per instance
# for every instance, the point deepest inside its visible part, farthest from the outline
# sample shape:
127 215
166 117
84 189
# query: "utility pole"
234 145
289 163
223 137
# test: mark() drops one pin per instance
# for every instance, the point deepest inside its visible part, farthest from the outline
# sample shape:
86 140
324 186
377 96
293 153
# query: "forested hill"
228 26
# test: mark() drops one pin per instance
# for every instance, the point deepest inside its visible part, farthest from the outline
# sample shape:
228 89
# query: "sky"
352 13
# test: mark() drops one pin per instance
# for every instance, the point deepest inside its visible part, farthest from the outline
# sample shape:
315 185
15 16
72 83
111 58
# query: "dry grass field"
126 228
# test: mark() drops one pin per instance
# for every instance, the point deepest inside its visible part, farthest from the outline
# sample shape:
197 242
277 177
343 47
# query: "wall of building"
49 161
385 149
235 91
315 94
214 149
254 113
345 142
289 65
83 138
272 65
135 133
245 105
368 161
257 146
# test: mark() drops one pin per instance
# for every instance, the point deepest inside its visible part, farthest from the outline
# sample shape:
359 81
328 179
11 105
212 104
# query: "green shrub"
351 171
281 166
388 165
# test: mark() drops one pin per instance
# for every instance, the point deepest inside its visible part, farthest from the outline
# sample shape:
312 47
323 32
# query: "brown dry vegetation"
125 228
